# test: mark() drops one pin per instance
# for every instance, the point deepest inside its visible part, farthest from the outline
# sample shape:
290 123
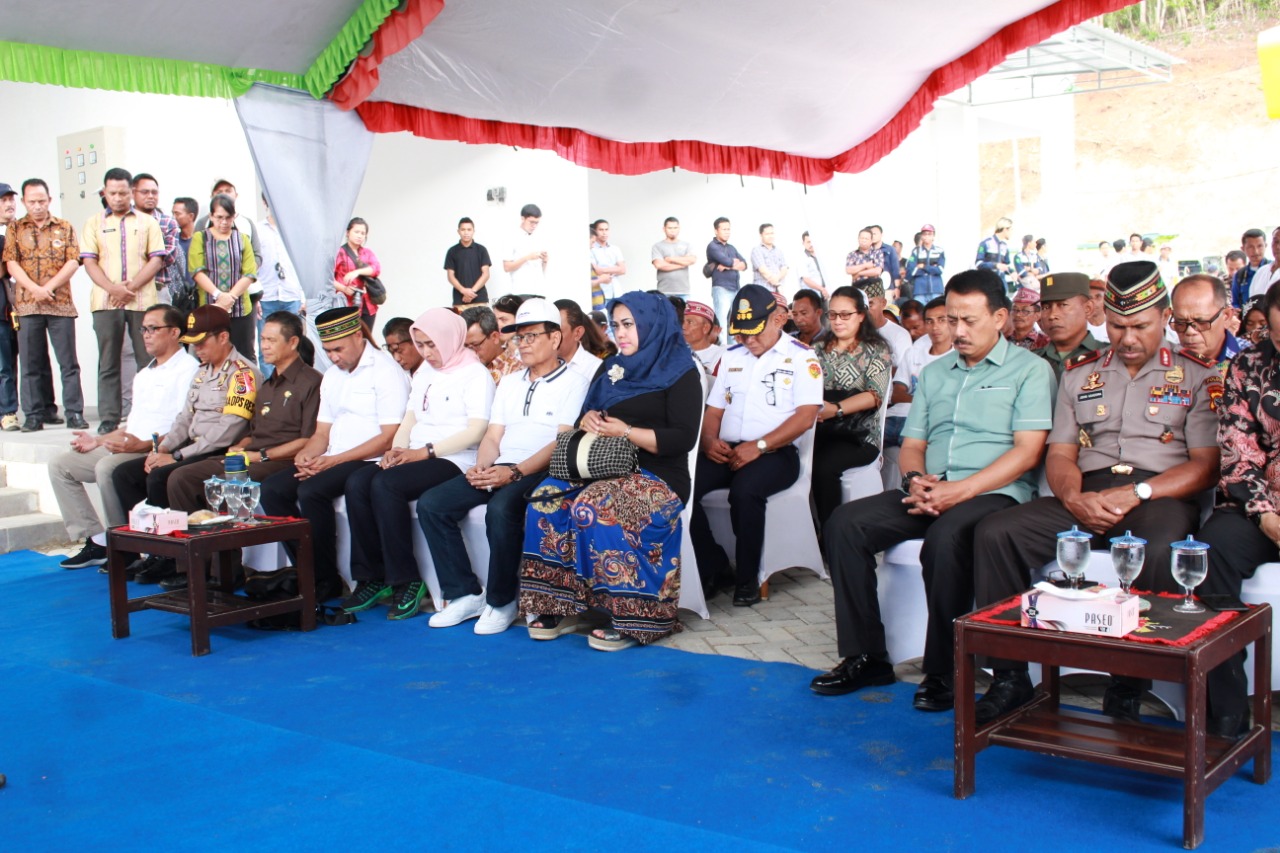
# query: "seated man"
362 401
1134 443
218 405
159 390
400 345
576 333
1064 316
1200 319
766 395
1244 530
701 333
970 445
529 409
484 339
285 417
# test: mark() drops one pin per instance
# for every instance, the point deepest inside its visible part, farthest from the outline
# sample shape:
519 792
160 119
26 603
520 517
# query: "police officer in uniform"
767 393
1133 445
220 403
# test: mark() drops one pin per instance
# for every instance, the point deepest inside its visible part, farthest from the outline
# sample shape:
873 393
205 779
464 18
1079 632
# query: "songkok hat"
1059 286
1135 286
872 288
204 321
700 309
1025 296
338 323
536 310
752 306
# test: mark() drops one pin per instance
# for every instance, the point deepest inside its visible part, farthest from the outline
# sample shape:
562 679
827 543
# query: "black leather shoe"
853 674
1229 726
76 421
107 427
1123 701
52 419
174 582
131 570
1011 689
157 571
935 694
745 595
32 425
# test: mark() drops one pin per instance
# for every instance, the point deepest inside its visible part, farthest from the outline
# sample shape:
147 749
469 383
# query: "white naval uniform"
758 394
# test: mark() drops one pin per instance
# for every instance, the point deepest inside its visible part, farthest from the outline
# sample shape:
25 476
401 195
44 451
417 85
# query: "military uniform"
1058 360
220 403
1127 429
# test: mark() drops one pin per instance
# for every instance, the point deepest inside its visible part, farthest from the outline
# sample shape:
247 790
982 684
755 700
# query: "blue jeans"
8 369
722 299
439 512
269 307
893 430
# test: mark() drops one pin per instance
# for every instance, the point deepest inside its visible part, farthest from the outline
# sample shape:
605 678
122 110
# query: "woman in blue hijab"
615 544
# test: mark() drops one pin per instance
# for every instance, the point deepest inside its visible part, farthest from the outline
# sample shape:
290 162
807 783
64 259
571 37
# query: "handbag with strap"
373 286
580 455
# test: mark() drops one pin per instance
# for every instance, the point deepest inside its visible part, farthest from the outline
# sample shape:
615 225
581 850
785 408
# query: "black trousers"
858 531
749 488
36 334
1238 547
831 458
132 482
382 522
284 494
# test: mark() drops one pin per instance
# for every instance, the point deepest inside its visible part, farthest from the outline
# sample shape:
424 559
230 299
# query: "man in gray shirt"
672 259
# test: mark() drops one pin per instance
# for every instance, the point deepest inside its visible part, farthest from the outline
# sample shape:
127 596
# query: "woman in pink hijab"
447 415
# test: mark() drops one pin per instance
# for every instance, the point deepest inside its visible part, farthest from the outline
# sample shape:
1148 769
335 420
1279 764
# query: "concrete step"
32 530
17 502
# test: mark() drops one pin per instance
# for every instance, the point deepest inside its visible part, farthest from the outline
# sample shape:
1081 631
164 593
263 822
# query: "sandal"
549 626
609 640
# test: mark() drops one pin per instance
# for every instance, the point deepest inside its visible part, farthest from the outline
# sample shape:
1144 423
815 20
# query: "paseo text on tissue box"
160 523
1082 613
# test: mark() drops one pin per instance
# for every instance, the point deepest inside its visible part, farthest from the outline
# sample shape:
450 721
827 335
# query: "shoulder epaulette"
734 347
1083 358
801 344
1188 354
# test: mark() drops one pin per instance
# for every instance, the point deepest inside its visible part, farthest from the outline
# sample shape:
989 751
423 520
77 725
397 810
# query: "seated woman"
447 414
615 544
857 365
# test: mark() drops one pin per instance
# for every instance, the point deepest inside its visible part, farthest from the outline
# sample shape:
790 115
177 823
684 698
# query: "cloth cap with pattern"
338 323
872 288
1135 286
700 309
1025 296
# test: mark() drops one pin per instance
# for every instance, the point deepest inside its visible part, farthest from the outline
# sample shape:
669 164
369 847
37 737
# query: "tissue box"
159 522
1096 614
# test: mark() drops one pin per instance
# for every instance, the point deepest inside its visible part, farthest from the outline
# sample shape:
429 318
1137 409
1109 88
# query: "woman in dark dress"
615 544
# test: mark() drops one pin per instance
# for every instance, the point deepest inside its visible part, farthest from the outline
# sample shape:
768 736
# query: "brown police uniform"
287 405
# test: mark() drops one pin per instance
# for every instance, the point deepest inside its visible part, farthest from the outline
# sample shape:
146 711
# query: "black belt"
1123 469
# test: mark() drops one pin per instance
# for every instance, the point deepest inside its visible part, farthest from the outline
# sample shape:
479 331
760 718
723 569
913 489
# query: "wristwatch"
516 473
431 450
905 486
262 456
762 446
1143 491
177 455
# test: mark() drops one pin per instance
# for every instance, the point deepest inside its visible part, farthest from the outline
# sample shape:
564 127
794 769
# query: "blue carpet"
392 735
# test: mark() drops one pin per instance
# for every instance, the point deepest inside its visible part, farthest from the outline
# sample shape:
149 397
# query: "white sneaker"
495 620
458 611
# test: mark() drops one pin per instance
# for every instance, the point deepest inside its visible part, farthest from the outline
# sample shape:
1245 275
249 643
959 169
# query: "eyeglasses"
1025 312
1200 325
527 337
151 330
841 315
474 347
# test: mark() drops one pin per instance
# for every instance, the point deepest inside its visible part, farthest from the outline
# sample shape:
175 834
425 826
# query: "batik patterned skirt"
614 545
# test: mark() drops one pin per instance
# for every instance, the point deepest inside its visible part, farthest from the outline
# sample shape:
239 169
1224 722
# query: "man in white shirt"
672 259
526 263
607 261
932 345
159 392
530 408
700 333
899 343
810 273
362 402
574 326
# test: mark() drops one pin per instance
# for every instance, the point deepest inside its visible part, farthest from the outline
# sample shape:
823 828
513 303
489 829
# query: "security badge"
1093 382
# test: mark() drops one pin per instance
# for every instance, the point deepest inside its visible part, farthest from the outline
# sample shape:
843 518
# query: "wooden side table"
1202 762
193 553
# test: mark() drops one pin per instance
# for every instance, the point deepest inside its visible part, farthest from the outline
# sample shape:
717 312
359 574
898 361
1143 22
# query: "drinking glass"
213 493
1073 553
1190 565
231 494
1127 555
253 494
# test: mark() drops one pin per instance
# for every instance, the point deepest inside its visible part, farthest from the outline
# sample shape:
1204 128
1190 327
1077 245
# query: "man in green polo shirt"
975 433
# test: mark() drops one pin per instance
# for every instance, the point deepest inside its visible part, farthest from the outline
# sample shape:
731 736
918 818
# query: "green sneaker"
367 594
404 604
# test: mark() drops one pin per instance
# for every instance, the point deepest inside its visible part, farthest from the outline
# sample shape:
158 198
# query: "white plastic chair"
790 539
865 481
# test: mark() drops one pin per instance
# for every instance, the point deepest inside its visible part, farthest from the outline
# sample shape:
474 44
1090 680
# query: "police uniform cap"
204 321
752 305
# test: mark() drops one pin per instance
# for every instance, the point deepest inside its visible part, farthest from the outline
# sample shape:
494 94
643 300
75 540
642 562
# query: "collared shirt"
892 263
671 281
993 251
1241 282
812 272
900 344
1033 340
360 403
769 257
1148 421
709 358
608 255
1230 349
288 406
531 411
122 245
176 266
916 360
759 394
724 254
219 405
967 415
1262 280
279 278
42 250
871 256
444 404
1249 432
1057 360
528 277
214 259
159 391
584 363
926 279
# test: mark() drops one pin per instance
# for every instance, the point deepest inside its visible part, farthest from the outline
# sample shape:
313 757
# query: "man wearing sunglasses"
1200 316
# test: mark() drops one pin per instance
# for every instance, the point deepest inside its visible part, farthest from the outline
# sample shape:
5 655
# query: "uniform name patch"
1092 395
